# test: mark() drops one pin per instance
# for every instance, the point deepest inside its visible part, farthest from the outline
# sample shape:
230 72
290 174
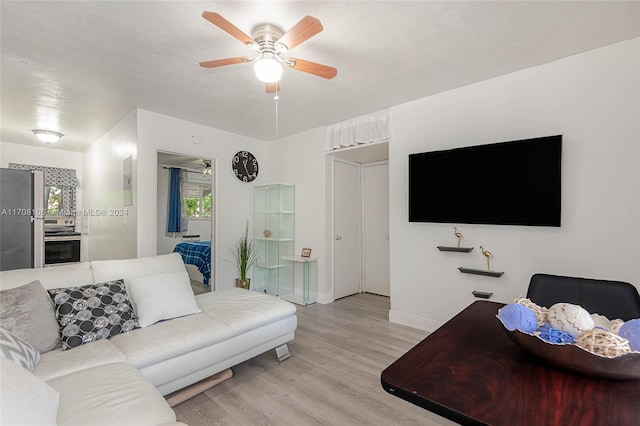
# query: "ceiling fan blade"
272 87
306 28
320 70
223 62
220 22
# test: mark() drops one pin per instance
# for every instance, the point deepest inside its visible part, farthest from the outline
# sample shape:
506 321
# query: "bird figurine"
458 235
488 255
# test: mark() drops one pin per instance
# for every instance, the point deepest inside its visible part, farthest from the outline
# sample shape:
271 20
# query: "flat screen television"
507 183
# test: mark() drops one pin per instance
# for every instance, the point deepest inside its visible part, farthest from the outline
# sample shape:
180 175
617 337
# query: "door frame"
214 213
360 155
361 166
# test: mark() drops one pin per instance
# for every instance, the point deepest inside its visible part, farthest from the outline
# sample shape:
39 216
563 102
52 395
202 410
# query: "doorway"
198 198
361 220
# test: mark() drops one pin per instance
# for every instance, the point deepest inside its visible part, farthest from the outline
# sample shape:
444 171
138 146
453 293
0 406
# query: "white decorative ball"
572 319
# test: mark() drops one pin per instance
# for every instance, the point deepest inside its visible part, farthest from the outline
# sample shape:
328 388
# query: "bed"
197 253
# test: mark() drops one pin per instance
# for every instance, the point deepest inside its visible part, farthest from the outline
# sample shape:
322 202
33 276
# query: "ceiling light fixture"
268 69
47 136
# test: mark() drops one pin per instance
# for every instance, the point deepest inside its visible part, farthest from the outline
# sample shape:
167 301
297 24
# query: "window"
54 200
198 200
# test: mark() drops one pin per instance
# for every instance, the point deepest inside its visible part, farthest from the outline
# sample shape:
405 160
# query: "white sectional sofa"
121 380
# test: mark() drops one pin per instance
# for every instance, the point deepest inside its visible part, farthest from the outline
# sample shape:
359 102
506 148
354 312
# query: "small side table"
309 280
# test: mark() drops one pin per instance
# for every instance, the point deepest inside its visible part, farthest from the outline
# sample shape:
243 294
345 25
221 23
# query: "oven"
61 241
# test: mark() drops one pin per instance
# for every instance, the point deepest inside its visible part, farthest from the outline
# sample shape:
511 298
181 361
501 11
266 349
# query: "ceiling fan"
270 41
206 167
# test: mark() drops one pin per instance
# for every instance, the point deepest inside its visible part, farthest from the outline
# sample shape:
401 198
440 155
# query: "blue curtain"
174 221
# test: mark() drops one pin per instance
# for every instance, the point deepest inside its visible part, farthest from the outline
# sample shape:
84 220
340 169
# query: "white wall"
110 235
41 156
591 99
300 159
234 199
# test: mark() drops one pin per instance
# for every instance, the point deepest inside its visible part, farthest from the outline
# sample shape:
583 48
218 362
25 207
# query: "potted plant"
246 254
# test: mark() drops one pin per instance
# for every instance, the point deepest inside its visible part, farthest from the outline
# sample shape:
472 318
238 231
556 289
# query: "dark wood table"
469 371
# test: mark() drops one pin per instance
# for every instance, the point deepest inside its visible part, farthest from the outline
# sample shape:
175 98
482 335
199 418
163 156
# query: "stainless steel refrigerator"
22 213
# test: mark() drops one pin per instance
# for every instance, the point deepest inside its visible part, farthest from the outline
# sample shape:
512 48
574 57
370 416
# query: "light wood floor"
332 377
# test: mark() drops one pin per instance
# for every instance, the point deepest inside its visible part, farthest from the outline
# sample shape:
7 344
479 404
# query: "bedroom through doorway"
195 180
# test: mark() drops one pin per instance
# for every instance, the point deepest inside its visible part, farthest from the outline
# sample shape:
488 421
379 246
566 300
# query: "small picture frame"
306 252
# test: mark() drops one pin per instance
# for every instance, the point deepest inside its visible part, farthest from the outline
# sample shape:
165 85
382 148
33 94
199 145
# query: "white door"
375 238
346 243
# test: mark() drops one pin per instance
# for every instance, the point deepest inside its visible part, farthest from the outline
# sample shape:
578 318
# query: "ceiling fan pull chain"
275 98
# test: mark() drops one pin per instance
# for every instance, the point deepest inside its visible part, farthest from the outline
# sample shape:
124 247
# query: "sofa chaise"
122 379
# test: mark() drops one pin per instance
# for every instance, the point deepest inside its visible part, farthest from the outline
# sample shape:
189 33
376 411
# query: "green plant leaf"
245 252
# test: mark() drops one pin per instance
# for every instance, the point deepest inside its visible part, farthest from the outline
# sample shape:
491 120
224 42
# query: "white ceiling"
80 67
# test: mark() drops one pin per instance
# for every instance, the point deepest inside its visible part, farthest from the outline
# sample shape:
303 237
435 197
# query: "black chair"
613 299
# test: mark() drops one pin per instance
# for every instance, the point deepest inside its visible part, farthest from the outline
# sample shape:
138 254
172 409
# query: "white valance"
362 130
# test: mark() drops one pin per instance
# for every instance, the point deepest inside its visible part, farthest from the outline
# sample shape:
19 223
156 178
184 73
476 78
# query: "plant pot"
243 283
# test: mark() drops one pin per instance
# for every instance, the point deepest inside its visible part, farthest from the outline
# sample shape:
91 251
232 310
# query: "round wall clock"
244 166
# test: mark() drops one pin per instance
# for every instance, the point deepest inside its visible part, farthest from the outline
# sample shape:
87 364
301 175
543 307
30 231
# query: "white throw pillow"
25 398
163 296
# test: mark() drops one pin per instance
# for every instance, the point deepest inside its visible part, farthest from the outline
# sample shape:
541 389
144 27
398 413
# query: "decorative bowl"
576 359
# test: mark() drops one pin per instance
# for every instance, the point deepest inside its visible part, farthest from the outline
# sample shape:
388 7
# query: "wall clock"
244 166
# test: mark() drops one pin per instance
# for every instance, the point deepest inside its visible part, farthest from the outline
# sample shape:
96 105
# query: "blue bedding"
197 253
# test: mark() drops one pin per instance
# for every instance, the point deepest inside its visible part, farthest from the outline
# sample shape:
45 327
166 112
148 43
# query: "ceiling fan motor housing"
266 36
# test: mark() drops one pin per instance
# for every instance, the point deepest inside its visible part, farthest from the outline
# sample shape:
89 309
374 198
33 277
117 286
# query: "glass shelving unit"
274 226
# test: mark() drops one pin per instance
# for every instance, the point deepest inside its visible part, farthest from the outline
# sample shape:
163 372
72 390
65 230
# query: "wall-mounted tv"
507 183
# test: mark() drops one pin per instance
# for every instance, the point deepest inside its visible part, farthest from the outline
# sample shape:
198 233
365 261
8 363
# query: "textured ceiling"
80 67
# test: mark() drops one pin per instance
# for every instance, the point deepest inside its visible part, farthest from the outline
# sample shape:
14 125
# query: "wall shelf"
456 249
495 274
481 294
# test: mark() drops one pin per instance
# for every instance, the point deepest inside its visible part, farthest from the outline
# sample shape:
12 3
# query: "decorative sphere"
517 316
603 343
553 335
630 330
541 312
572 319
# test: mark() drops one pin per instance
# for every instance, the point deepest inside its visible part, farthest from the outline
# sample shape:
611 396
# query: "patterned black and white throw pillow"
92 312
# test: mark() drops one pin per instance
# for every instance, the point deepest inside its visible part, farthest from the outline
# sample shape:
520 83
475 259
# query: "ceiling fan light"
47 136
268 70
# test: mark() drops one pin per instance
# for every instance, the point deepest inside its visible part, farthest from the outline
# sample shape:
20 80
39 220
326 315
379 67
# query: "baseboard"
414 321
325 298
